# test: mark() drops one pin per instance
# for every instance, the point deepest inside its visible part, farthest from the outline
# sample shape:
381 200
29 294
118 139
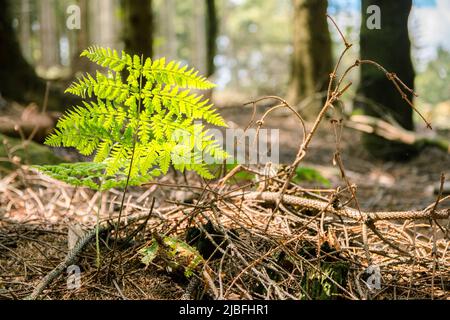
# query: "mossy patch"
30 153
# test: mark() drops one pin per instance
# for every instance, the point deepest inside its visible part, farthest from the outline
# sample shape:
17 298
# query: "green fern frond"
107 58
183 102
148 159
90 175
109 87
173 73
165 157
118 159
135 128
103 151
202 170
84 87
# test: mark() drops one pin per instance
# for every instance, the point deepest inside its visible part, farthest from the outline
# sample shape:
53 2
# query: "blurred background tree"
212 30
389 45
312 58
18 79
49 34
138 27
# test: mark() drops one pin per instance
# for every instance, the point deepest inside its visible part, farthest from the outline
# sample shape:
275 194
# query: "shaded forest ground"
34 234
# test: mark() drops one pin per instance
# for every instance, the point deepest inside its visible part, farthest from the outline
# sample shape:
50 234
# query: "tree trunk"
168 25
83 33
390 46
82 40
18 80
212 24
198 44
104 28
312 57
138 27
48 33
25 28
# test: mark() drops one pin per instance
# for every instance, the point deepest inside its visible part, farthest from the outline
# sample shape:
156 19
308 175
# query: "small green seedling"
135 129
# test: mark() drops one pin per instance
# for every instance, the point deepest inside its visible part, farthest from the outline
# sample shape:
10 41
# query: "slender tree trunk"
225 27
72 37
104 25
18 80
138 27
82 39
48 32
169 32
391 47
312 56
212 25
25 28
198 44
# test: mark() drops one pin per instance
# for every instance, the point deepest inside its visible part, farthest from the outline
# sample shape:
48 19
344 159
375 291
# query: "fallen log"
25 122
391 132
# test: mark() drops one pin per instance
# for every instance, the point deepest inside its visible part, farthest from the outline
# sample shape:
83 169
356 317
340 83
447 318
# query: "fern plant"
136 120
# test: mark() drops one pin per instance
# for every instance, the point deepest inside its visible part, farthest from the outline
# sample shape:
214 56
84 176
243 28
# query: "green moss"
310 175
241 176
32 153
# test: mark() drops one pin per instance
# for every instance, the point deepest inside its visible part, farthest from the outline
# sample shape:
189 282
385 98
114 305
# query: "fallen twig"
345 211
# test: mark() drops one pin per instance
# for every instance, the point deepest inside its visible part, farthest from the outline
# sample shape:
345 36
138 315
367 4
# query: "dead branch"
272 197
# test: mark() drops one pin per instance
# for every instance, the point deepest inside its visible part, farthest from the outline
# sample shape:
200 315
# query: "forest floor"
36 213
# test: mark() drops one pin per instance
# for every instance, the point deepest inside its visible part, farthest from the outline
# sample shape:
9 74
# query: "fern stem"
97 238
97 227
128 175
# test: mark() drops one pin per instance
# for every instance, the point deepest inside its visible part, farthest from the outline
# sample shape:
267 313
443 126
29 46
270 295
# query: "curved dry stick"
284 103
347 44
396 80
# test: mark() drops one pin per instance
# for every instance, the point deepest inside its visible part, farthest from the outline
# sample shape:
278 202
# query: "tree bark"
312 56
391 47
212 30
138 27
